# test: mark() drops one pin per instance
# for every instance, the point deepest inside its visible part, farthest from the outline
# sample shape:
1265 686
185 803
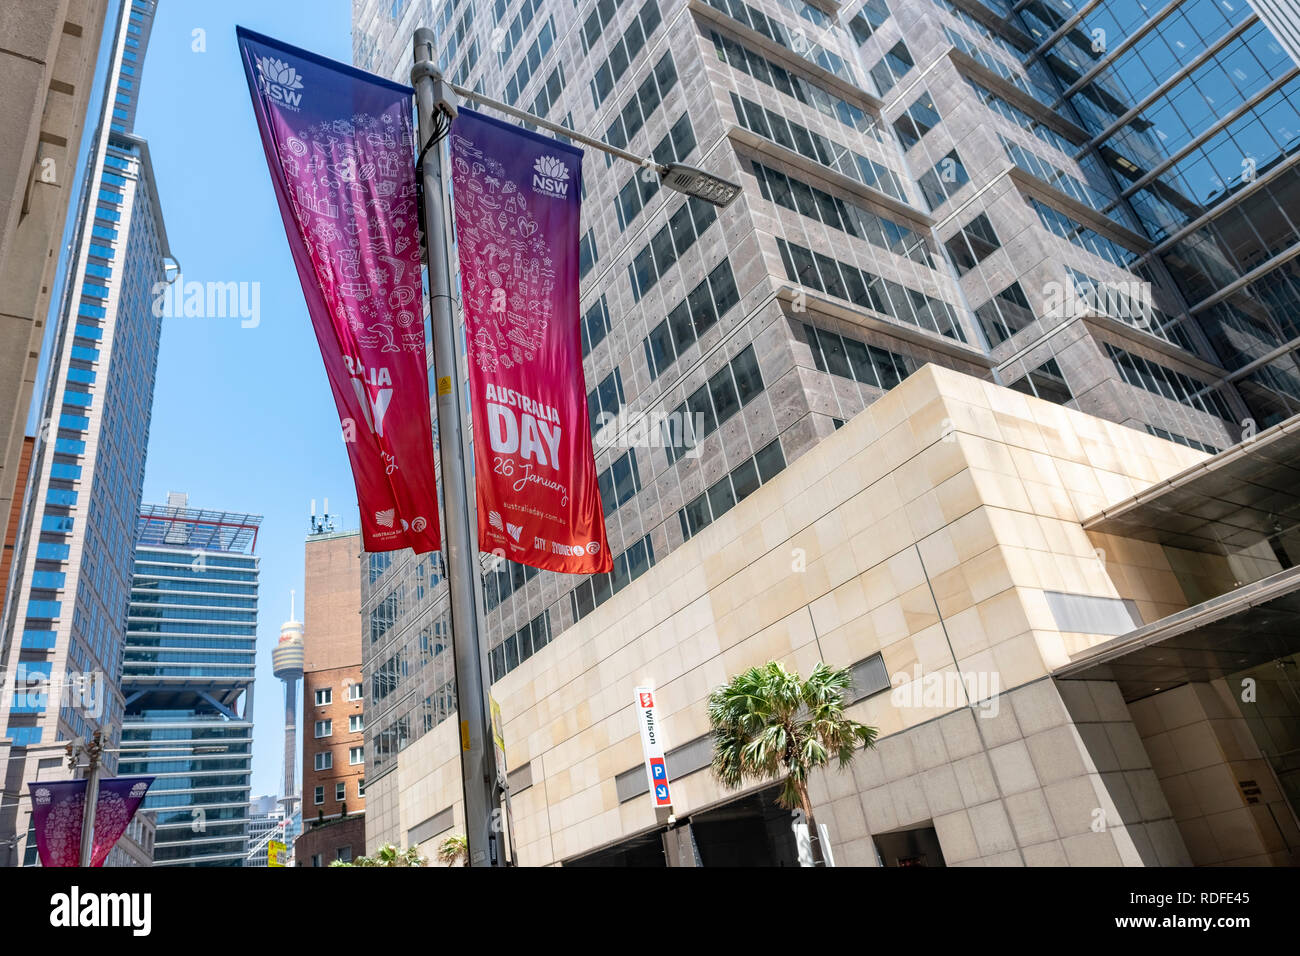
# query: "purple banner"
57 809
340 148
517 203
119 798
59 806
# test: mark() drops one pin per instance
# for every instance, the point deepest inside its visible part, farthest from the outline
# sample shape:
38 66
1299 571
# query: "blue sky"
243 419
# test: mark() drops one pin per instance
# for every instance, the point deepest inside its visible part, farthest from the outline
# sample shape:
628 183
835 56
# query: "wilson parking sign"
652 744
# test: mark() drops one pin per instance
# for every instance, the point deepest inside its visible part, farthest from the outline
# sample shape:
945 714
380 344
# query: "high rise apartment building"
1090 203
65 609
189 661
48 59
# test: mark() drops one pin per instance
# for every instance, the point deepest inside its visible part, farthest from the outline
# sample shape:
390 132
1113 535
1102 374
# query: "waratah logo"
280 80
494 519
385 518
550 177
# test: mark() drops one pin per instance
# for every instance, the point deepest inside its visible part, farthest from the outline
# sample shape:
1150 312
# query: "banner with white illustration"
340 147
516 201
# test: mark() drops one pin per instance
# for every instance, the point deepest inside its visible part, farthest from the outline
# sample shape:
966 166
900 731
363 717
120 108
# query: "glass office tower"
1090 201
187 677
65 610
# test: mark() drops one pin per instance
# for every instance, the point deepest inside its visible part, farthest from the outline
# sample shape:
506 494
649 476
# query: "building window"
920 118
599 588
730 489
324 695
318 795
343 853
324 728
316 860
1005 314
729 389
690 318
356 755
587 253
848 358
848 282
619 482
842 214
361 787
604 401
775 128
1046 382
595 326
341 791
355 724
974 243
325 761
892 67
1169 383
942 180
354 691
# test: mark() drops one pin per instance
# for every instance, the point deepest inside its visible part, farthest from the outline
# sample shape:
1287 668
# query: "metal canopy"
1233 632
168 526
1242 496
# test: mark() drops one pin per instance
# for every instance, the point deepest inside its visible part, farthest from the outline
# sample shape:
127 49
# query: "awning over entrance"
1244 628
1246 494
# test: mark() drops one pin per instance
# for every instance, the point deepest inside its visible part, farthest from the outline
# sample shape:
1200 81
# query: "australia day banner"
516 201
58 808
340 147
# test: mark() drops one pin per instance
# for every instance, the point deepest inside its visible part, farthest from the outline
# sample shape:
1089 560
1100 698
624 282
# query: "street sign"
652 746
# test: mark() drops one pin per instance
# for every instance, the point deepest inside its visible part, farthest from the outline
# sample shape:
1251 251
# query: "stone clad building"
936 541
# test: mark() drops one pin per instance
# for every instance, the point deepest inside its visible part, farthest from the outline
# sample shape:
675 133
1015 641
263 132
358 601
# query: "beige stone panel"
1020 660
952 592
1015 527
996 490
939 552
966 633
959 496
918 608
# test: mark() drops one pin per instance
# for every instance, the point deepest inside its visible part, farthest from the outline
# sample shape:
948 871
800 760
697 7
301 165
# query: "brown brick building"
333 764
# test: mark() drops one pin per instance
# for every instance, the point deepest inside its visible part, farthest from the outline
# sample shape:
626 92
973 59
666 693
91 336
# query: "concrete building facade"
936 544
1043 195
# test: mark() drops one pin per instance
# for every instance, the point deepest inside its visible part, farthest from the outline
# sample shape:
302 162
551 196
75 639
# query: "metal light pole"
435 108
435 101
92 749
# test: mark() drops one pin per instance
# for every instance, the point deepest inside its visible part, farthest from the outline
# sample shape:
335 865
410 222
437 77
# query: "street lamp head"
696 182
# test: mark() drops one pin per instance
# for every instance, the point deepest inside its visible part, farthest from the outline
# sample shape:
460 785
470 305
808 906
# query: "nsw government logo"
280 82
550 177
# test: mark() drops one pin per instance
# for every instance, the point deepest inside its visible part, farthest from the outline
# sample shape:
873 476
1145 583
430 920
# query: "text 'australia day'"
519 425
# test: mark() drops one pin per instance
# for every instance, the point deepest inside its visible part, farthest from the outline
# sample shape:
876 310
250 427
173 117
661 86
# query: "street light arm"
586 140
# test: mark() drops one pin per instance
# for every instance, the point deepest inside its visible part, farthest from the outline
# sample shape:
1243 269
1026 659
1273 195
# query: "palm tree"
454 849
770 723
388 855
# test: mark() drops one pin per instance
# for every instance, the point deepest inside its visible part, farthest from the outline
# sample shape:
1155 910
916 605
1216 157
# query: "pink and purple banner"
59 806
340 147
516 200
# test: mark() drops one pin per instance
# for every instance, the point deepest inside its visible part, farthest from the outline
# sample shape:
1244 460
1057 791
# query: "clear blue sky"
243 419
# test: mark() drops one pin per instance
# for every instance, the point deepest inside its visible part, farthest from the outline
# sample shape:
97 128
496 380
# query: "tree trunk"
814 838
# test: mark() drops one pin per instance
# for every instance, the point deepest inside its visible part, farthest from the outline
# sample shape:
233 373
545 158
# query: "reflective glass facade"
187 676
